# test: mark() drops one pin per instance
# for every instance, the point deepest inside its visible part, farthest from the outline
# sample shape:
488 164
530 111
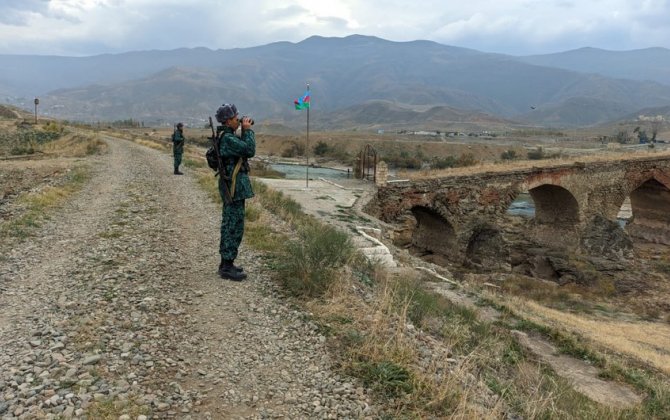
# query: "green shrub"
444 162
293 149
536 154
467 159
311 263
321 148
508 155
54 127
386 378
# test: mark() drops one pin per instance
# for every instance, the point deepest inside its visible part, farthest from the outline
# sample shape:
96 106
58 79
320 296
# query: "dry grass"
153 144
37 204
454 365
527 164
75 145
377 346
647 342
113 409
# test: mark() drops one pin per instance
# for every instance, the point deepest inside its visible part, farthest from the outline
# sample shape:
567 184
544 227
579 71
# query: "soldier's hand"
246 123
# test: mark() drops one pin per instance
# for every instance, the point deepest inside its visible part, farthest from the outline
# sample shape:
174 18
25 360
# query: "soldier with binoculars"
234 185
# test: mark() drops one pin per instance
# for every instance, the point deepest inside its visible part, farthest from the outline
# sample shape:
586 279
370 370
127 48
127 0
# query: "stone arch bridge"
576 207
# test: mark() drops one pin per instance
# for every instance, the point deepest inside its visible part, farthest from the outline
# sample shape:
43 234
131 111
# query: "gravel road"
114 310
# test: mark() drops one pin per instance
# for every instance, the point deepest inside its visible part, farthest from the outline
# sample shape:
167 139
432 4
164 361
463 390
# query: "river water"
525 206
299 172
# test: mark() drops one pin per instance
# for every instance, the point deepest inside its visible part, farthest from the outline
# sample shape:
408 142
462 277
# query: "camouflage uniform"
233 148
177 148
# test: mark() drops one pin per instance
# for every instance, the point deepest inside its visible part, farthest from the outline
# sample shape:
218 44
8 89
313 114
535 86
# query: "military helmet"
225 112
180 125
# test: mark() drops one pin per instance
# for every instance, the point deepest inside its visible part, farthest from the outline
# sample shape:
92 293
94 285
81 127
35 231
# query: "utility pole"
307 151
37 102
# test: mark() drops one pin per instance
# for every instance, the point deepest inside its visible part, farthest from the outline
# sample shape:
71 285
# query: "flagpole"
307 151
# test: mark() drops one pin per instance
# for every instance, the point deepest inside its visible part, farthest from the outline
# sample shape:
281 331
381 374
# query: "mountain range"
358 81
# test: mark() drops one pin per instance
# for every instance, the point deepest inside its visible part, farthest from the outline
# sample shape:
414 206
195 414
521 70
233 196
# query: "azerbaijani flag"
303 102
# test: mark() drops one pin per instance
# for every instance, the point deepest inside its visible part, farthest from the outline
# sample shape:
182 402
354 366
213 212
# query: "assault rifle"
224 178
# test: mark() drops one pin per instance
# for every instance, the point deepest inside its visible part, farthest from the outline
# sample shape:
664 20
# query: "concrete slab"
333 203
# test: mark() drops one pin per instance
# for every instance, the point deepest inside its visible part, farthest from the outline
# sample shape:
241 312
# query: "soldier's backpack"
211 154
212 161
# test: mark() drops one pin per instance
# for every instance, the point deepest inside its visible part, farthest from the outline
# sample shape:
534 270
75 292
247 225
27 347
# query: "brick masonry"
576 206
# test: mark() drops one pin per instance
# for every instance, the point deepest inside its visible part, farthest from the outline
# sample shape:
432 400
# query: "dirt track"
114 308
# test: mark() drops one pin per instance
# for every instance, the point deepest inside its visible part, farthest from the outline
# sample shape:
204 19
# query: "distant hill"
647 115
176 94
161 87
646 64
576 112
380 114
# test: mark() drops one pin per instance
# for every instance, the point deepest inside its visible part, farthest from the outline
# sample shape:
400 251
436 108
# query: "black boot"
228 271
236 268
176 171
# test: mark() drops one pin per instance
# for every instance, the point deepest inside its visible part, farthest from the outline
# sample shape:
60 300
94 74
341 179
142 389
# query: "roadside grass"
113 409
75 146
259 233
310 263
194 163
209 183
280 205
153 144
37 205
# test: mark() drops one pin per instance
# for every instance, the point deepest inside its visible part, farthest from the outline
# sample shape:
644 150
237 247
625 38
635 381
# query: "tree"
655 125
642 137
623 137
321 148
536 154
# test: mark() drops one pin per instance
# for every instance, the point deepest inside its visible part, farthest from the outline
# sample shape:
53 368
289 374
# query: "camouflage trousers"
232 229
177 160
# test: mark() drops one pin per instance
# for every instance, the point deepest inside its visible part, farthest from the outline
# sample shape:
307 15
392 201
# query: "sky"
517 27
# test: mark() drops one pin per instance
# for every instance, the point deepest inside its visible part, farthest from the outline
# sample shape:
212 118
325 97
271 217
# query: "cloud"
289 13
85 27
18 12
24 12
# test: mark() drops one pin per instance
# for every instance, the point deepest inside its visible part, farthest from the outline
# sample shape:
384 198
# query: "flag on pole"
303 102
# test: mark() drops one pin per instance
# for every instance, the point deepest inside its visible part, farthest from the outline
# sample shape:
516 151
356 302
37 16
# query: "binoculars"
250 120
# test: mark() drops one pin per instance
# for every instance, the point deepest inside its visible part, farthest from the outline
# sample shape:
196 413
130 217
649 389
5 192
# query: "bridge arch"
650 205
555 206
433 233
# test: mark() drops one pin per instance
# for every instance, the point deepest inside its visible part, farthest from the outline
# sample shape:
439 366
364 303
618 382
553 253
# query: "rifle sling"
238 165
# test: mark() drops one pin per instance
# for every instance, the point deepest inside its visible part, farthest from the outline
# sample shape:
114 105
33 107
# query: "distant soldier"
234 152
178 147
